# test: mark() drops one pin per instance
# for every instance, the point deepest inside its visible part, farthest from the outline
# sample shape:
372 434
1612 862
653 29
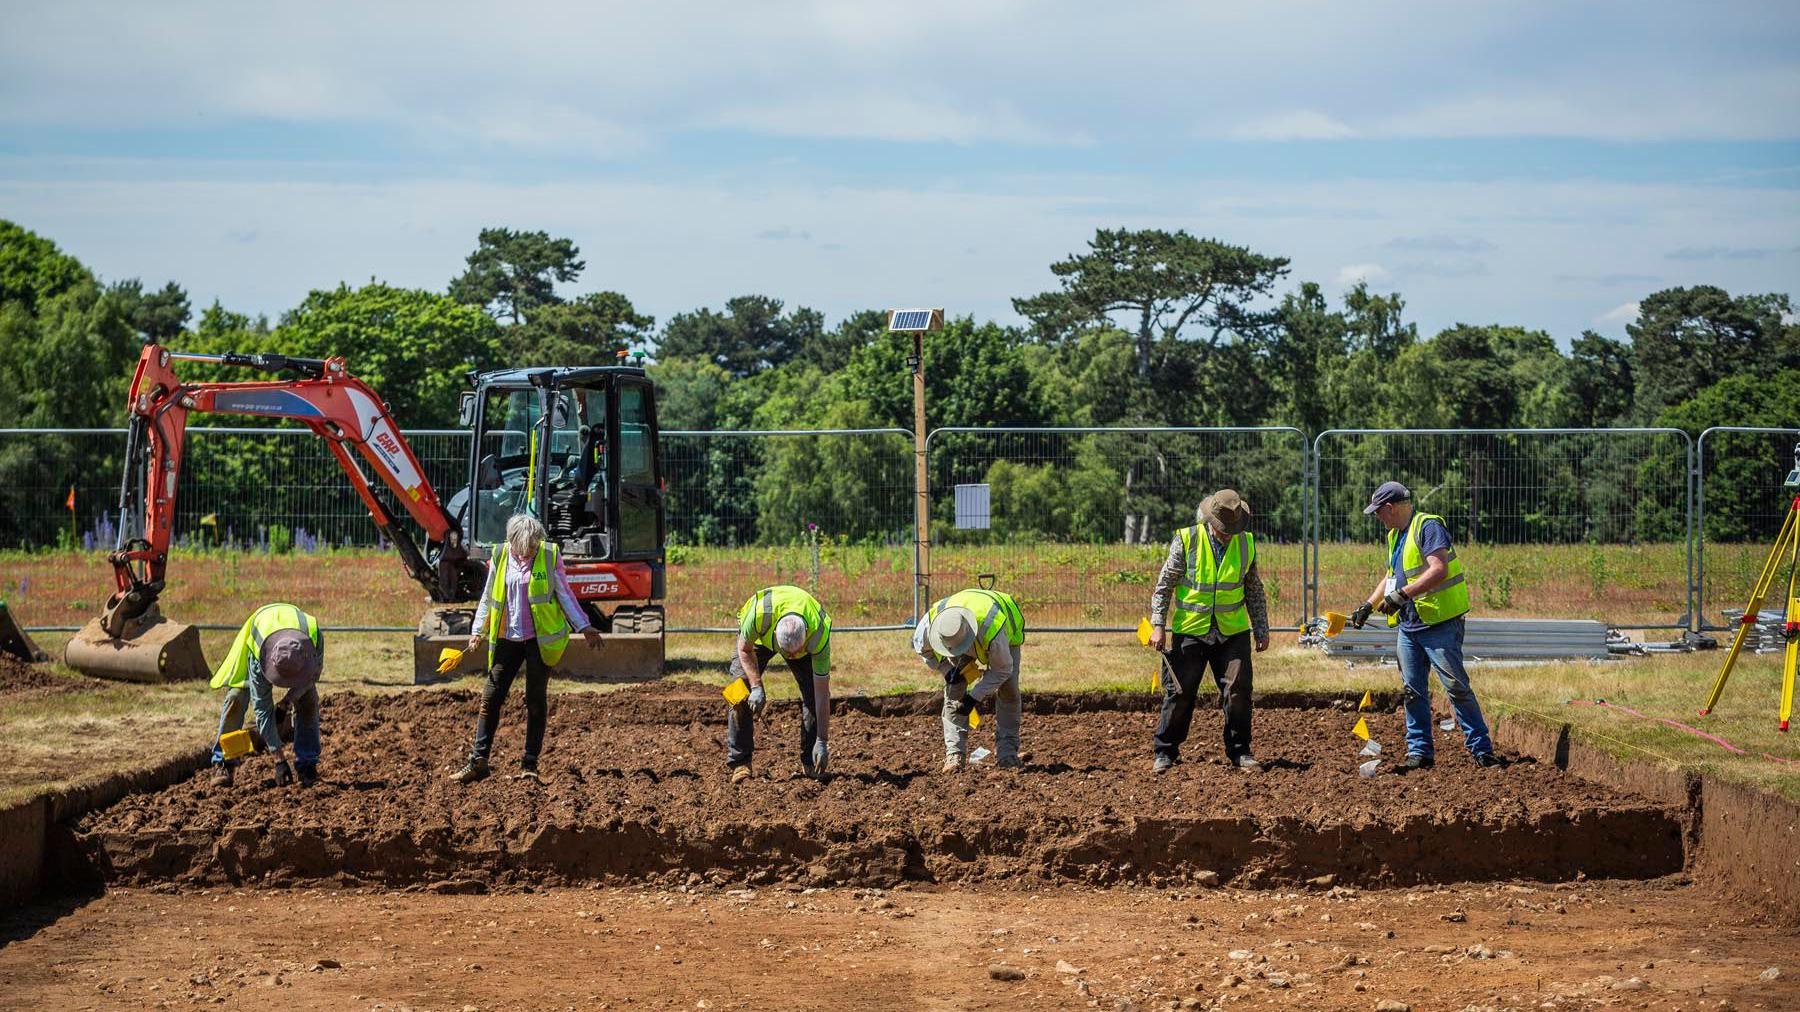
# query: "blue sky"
1527 163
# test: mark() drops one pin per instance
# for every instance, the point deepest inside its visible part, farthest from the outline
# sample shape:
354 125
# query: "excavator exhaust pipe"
143 648
631 652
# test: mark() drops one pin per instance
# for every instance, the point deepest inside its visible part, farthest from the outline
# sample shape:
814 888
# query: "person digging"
787 621
1206 609
1425 596
282 647
965 633
526 614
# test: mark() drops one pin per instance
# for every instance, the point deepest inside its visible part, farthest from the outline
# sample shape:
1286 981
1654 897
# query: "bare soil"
635 789
19 679
1500 946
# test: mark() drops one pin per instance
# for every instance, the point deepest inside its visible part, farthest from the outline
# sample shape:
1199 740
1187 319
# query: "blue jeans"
1439 647
304 703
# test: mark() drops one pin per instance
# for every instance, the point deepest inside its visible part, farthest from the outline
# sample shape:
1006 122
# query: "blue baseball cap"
1390 491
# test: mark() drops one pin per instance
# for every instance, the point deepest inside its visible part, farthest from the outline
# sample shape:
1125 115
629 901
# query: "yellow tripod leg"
1757 595
1792 653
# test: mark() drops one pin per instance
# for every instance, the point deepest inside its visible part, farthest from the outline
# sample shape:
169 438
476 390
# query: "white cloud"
259 244
923 71
1300 125
1350 274
1619 315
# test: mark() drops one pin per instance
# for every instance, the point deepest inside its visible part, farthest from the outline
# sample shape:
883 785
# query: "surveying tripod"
1786 548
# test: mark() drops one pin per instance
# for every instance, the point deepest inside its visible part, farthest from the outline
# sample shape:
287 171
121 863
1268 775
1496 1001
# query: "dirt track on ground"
1506 946
19 680
635 789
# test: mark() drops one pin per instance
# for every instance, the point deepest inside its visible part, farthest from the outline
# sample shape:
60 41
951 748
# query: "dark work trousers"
508 655
1189 658
740 737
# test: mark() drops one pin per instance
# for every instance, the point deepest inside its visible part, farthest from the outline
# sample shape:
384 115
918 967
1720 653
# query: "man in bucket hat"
1218 609
960 636
1425 597
279 646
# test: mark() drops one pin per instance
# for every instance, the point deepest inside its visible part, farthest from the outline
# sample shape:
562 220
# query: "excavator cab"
575 447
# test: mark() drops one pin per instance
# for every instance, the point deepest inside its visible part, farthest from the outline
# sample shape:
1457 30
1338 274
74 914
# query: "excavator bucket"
149 648
14 642
631 652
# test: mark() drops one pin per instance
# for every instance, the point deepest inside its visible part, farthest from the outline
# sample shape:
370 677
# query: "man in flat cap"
1218 609
279 646
1425 597
958 637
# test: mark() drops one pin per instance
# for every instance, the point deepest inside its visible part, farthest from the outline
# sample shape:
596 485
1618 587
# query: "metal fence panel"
825 509
1741 501
1507 496
239 486
1080 519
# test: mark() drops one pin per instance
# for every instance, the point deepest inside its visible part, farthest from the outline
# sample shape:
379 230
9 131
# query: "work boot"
1247 763
1415 761
739 774
1488 760
1009 762
528 770
953 762
308 773
1163 764
473 770
223 775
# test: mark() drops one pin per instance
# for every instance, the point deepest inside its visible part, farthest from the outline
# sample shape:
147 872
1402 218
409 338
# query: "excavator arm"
317 393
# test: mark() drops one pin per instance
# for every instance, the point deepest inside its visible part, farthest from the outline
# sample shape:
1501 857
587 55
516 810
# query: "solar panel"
912 319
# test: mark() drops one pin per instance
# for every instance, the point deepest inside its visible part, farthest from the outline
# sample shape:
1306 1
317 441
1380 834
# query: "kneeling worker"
1219 606
279 646
787 621
966 629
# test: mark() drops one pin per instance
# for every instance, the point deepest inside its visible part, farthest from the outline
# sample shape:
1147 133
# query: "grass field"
1058 585
60 738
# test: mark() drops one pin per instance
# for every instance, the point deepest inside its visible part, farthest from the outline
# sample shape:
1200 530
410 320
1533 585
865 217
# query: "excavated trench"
635 788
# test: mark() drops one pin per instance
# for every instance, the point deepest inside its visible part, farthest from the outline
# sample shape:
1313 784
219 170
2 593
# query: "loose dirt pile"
635 788
19 679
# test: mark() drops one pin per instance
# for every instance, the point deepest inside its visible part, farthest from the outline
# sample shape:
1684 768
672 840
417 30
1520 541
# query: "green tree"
751 335
689 392
33 269
1164 282
1686 339
156 316
513 273
1601 381
589 330
414 347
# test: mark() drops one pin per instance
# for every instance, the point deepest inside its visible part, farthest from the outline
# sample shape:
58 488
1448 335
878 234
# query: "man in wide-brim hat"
1206 611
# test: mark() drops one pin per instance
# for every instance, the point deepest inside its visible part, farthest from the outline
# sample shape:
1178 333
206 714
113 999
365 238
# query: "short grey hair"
790 634
524 534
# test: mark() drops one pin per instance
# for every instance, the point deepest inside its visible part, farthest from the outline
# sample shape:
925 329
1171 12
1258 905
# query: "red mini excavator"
541 446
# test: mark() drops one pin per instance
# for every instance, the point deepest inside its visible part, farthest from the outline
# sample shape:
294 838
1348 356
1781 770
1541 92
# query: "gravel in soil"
634 787
1518 946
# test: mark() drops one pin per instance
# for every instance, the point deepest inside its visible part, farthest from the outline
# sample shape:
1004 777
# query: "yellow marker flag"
974 719
1367 702
1143 632
448 659
1361 730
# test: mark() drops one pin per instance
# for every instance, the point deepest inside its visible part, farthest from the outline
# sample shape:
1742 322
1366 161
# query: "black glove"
284 774
1360 615
964 708
1396 599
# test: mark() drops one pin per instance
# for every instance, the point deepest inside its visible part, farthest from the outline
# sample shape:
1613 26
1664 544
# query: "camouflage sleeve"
1256 601
1172 568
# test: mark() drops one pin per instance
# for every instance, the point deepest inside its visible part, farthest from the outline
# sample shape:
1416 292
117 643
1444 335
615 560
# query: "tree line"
1142 327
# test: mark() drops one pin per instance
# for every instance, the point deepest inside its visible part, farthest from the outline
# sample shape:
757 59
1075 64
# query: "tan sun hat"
289 659
1230 510
952 633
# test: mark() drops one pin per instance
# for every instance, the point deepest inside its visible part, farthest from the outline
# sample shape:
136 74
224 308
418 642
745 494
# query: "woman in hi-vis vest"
526 614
